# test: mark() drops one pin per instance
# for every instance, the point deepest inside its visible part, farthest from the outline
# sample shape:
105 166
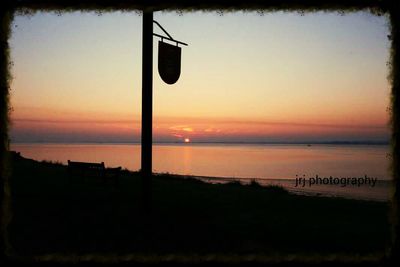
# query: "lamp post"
147 107
147 101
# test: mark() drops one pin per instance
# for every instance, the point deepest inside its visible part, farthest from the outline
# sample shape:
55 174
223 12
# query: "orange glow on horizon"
127 128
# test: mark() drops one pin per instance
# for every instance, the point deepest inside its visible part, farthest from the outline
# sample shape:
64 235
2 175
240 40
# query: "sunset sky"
246 77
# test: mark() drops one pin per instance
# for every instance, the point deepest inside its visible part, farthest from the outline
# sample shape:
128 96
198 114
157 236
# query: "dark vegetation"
52 215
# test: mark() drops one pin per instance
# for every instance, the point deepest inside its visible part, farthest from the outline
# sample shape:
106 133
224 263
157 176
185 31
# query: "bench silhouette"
86 170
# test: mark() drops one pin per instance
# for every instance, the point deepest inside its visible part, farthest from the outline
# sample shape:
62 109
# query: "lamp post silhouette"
147 99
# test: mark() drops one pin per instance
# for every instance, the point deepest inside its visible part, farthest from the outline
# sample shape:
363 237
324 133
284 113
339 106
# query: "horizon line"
342 142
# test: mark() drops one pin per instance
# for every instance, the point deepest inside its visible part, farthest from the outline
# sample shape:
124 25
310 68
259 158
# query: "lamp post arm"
158 24
163 37
169 36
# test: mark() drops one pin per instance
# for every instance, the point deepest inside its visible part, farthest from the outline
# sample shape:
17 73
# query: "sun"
187 140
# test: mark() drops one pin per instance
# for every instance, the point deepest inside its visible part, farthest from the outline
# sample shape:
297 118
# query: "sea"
267 164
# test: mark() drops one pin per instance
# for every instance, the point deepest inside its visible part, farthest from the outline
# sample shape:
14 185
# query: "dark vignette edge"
26 7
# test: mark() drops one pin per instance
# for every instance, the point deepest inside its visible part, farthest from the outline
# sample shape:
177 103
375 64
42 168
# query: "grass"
51 215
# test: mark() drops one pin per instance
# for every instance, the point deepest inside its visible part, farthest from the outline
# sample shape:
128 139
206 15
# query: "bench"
87 170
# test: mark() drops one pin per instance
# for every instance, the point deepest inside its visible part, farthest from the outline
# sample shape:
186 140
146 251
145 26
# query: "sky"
245 77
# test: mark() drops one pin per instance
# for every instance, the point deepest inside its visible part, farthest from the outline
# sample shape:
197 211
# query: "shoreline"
381 193
287 183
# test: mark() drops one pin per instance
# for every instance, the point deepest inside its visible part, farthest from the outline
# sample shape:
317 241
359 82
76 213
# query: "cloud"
203 129
62 121
200 121
184 128
177 135
212 130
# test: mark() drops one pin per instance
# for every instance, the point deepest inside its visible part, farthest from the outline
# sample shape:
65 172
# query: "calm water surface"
268 163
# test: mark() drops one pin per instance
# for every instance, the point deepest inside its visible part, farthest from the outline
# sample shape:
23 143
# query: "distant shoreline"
221 143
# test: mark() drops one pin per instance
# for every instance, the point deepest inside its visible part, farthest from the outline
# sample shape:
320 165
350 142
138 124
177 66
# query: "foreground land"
52 215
